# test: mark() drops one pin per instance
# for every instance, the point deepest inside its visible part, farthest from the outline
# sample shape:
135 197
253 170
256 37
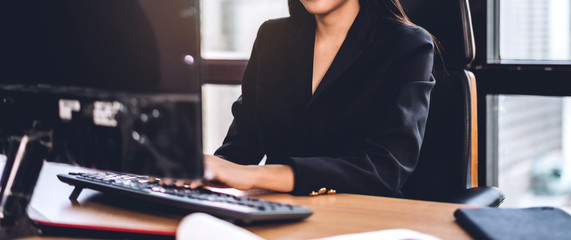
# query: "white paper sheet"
206 227
390 234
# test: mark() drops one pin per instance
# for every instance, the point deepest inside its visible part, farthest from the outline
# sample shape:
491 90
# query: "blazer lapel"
348 53
357 42
300 59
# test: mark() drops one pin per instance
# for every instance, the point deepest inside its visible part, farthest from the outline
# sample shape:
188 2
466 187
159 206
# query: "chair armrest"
480 196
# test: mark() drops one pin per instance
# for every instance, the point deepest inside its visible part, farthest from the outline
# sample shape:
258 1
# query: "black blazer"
361 131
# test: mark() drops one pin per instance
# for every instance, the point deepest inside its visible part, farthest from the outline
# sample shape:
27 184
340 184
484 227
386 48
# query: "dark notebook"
522 223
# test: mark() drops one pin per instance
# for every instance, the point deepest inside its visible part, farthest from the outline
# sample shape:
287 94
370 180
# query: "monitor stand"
21 172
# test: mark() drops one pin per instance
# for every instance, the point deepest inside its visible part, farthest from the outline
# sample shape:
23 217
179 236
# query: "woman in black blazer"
335 96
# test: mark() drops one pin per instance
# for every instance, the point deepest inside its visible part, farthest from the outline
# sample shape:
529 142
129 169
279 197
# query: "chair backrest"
448 157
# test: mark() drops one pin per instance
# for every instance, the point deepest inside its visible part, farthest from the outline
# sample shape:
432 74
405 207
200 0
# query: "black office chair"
447 170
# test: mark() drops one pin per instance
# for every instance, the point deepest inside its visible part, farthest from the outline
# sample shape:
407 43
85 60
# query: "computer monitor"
116 82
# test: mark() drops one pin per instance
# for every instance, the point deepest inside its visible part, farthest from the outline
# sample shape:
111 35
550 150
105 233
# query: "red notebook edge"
104 228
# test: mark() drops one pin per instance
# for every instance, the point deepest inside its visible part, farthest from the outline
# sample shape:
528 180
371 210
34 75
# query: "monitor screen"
128 45
116 83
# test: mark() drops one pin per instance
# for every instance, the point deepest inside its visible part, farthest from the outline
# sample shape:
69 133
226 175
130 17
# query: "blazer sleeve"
390 151
243 143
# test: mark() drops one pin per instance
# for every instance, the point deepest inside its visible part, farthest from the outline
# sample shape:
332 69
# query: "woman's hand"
219 172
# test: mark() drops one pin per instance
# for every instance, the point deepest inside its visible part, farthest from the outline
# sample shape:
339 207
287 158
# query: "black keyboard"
230 207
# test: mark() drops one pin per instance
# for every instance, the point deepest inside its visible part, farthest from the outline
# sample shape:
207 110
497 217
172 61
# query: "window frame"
218 71
488 26
495 77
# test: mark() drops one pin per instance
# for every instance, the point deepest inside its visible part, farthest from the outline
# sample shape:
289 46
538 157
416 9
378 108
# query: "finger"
180 182
152 179
196 183
166 181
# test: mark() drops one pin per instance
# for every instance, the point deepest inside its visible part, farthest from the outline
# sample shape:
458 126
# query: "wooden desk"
347 213
333 214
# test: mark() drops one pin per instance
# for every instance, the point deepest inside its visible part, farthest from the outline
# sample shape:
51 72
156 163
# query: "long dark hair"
386 9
